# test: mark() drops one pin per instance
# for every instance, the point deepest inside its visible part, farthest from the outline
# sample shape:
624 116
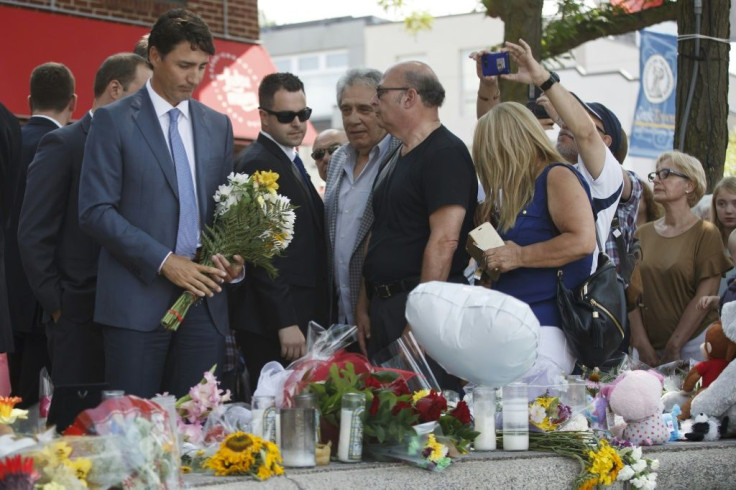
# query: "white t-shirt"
606 192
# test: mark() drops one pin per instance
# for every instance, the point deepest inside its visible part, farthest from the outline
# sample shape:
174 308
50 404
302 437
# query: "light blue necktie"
188 234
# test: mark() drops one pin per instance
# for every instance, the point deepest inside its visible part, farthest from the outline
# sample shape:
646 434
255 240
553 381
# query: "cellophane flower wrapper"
324 347
425 449
405 354
133 443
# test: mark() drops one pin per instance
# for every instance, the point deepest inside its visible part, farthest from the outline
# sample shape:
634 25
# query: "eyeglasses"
382 90
285 117
319 154
664 173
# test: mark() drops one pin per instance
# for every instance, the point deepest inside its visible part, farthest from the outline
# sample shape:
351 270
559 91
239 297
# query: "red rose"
371 382
462 413
374 405
431 406
401 406
399 387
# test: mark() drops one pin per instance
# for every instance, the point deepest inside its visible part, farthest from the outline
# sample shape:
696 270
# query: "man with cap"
590 149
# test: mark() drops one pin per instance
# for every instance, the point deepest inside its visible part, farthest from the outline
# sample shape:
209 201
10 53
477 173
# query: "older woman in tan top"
683 259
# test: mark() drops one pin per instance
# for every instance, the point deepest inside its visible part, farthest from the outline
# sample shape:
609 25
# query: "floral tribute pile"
603 459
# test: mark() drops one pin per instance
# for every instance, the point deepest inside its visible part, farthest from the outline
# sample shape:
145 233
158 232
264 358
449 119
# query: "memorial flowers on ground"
246 454
251 220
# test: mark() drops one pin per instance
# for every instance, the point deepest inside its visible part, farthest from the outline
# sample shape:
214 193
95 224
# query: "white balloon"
480 335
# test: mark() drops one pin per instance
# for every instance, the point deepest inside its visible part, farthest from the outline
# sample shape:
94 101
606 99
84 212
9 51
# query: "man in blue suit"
52 102
59 259
152 163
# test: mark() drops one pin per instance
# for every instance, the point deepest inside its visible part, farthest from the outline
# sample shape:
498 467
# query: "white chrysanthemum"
625 474
639 481
636 453
654 464
537 413
238 179
639 466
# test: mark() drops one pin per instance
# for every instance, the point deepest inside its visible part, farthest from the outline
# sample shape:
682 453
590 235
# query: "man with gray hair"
349 188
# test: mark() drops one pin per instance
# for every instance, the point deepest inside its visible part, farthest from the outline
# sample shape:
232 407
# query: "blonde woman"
544 214
723 213
683 260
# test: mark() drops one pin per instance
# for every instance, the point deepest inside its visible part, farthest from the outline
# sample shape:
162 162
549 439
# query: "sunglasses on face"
285 117
319 154
664 173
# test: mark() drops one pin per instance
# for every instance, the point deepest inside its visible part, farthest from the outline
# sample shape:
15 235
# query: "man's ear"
607 140
114 89
72 104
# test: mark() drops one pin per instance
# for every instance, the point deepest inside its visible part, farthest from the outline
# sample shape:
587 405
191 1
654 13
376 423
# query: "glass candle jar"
263 423
484 416
515 417
297 437
309 400
350 445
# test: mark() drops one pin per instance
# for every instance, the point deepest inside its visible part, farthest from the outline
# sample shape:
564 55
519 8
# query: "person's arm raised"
591 148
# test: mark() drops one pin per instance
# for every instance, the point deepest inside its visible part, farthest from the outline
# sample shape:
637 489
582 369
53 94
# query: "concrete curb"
683 465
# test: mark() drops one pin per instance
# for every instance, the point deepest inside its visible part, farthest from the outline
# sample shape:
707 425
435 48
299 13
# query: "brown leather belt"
389 289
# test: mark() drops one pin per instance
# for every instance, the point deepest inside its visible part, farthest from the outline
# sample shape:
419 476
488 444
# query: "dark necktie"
188 233
316 200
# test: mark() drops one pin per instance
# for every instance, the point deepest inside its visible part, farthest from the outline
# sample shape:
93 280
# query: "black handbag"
593 314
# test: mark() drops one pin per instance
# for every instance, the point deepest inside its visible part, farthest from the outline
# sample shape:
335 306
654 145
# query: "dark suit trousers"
257 351
25 365
388 321
77 352
147 363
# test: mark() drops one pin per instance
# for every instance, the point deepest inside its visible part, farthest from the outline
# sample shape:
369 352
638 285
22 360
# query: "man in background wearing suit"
52 102
350 180
270 316
10 149
152 163
59 259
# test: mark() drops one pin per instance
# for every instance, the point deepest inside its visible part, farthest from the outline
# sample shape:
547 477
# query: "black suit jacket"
263 305
10 150
24 309
59 259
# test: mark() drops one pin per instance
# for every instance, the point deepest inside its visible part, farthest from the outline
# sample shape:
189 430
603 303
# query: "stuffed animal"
719 400
719 350
702 428
635 396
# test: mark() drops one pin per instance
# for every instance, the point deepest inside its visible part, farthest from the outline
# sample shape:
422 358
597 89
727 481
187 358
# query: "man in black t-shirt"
423 205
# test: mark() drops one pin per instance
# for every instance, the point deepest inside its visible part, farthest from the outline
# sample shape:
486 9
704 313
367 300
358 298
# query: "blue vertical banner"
654 119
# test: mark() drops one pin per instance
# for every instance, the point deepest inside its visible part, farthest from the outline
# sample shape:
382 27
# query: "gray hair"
357 76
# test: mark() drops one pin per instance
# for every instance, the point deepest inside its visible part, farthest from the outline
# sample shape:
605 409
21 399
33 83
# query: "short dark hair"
141 48
273 83
121 67
427 86
52 87
179 25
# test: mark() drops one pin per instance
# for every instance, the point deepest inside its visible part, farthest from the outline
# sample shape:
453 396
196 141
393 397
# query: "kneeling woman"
542 210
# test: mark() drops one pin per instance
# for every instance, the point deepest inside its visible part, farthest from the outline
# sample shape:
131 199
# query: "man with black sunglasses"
325 144
270 315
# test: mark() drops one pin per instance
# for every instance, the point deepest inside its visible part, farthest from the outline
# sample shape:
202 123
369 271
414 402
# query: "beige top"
671 270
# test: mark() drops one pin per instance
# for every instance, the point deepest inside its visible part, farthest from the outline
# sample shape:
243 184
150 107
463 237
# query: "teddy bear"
719 400
635 396
719 351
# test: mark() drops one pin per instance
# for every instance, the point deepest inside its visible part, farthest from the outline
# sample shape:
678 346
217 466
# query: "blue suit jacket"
128 202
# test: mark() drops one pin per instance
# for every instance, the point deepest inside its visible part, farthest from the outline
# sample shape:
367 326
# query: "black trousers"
77 352
388 321
25 364
257 351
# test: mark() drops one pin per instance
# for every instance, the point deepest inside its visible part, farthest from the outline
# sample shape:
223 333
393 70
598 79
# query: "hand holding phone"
495 64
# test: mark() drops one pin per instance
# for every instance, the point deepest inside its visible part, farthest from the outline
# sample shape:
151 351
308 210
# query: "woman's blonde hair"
509 149
727 184
690 166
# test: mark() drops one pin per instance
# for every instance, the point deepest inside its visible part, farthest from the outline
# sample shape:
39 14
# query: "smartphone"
495 63
531 103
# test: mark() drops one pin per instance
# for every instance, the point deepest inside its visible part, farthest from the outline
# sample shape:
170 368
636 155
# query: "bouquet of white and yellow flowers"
251 220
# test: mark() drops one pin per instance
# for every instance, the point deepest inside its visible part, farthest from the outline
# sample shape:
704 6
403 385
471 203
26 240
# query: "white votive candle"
515 418
484 418
350 444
